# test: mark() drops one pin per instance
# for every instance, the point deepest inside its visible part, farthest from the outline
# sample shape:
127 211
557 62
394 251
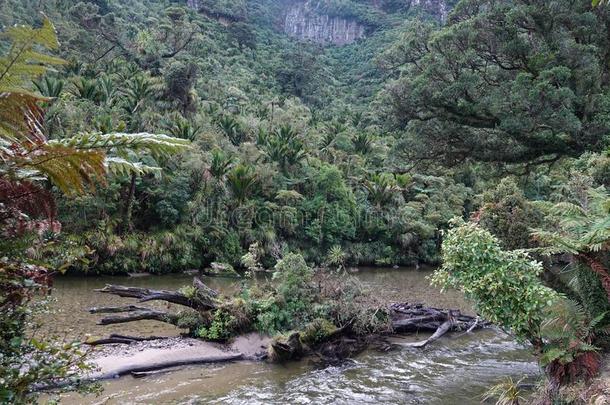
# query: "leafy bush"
220 328
504 285
508 215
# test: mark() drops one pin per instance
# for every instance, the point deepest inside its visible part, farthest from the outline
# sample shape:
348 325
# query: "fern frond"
27 198
555 242
566 208
20 117
120 166
71 170
121 144
23 63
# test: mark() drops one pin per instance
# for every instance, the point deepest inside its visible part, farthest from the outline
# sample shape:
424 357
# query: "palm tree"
181 128
284 147
86 89
138 89
221 163
335 128
380 188
363 143
326 145
241 181
49 86
231 128
107 90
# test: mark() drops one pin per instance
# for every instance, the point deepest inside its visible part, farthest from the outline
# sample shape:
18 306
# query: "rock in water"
285 349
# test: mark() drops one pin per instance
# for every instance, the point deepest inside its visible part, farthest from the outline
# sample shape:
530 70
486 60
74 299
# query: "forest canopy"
158 136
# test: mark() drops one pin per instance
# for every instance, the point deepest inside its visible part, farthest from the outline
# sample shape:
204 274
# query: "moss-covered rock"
318 331
286 347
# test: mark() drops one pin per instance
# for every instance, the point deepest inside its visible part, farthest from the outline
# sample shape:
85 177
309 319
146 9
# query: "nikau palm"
241 181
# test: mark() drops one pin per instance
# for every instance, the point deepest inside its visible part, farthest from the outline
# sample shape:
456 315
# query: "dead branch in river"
405 317
203 298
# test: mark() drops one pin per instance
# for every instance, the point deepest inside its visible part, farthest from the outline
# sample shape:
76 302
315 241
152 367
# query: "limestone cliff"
303 22
306 20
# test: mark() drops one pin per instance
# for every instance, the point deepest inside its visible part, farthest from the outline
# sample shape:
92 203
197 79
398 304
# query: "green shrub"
222 327
317 331
504 285
508 215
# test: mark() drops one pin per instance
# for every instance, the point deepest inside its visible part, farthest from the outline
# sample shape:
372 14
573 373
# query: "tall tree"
504 81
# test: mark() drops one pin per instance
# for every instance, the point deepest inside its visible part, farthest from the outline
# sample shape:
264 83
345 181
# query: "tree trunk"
148 314
203 299
599 269
127 226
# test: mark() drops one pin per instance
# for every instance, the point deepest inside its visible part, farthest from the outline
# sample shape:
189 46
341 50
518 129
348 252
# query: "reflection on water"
451 371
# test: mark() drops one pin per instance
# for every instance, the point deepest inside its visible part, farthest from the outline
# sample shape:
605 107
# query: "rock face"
302 22
194 4
437 8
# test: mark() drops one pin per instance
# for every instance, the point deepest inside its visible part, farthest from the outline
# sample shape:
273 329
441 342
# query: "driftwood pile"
413 318
203 298
405 317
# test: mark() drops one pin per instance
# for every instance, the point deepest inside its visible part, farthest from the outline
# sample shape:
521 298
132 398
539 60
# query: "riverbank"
593 392
399 376
139 358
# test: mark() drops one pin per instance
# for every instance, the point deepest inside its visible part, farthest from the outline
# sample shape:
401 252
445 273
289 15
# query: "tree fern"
577 226
23 62
74 164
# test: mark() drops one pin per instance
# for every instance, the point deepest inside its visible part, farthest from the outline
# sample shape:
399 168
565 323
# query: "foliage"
505 288
504 285
568 352
221 327
241 181
506 392
26 360
336 257
28 159
317 331
255 106
578 225
284 147
502 82
508 215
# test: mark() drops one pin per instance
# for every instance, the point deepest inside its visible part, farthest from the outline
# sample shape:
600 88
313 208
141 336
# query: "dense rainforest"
236 137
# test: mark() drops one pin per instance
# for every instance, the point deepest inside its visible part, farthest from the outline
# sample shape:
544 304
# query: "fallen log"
129 366
411 318
121 339
405 317
416 317
142 374
108 341
444 328
147 314
203 298
114 310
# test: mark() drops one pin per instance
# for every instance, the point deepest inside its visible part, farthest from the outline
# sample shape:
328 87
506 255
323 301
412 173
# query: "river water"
453 370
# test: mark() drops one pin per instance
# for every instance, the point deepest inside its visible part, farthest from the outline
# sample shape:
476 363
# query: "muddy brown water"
450 371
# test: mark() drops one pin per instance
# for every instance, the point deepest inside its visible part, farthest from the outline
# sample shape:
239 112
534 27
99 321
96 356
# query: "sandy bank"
111 361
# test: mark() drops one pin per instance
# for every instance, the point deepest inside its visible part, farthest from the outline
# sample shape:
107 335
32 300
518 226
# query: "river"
453 370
